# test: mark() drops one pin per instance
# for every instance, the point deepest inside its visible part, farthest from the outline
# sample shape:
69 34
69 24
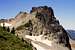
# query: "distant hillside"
9 41
71 34
3 20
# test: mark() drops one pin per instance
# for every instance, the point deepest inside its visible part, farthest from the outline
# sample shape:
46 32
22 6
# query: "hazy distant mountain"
71 34
3 20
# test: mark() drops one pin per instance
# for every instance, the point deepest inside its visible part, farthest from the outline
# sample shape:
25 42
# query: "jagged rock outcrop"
42 21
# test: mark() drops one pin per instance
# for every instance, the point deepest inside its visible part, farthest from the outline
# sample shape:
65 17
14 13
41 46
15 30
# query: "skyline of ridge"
63 9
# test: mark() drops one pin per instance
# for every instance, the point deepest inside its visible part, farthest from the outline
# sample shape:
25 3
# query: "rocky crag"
42 21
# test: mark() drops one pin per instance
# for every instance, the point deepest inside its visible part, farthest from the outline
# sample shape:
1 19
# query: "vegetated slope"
9 41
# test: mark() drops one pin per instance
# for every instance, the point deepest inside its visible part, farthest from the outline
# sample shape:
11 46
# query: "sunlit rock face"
43 22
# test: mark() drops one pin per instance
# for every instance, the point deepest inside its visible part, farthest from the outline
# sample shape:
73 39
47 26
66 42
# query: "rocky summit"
42 21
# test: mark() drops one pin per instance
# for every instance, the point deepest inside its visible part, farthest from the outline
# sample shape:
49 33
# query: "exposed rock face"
44 23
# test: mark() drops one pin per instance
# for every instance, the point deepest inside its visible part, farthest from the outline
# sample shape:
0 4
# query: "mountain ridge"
41 21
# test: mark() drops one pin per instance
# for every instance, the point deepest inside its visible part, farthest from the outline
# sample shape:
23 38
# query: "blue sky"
64 9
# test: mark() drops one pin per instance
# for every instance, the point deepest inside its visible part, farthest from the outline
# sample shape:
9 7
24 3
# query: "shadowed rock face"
52 29
44 23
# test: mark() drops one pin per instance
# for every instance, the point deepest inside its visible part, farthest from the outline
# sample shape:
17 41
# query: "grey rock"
45 23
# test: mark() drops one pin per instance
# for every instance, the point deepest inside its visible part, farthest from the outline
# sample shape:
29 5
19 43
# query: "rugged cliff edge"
41 21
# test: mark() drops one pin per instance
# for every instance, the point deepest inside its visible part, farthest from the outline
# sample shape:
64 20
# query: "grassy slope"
9 41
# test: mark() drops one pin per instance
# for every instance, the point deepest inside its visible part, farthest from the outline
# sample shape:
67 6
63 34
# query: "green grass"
9 41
